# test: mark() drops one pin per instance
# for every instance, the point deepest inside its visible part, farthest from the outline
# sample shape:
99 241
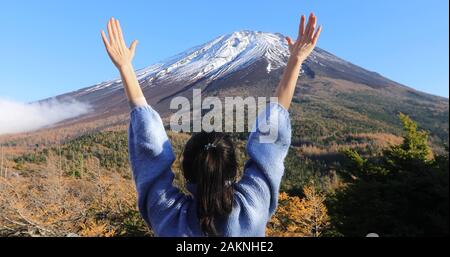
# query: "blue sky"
52 47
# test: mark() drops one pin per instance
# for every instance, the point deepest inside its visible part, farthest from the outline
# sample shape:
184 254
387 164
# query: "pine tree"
403 192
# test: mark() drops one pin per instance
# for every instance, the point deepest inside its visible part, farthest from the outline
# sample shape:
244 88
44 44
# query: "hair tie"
229 183
209 146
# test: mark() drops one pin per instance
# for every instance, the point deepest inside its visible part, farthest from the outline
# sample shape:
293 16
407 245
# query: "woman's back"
172 213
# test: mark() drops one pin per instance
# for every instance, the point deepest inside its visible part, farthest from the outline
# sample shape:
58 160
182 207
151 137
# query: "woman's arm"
122 57
260 184
300 50
150 152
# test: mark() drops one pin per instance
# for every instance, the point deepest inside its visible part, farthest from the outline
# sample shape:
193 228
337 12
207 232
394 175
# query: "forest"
370 183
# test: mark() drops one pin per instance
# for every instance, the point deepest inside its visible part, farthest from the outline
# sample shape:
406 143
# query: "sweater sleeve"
151 158
267 148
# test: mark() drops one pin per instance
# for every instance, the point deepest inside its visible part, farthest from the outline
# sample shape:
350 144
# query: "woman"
219 205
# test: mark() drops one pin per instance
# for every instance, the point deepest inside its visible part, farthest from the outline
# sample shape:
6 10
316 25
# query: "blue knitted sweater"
170 213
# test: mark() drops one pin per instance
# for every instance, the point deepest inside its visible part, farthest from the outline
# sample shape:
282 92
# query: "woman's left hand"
307 39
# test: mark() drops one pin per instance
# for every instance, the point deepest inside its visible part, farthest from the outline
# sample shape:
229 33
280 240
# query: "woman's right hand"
120 54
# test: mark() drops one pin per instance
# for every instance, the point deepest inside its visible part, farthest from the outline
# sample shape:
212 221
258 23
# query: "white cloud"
16 117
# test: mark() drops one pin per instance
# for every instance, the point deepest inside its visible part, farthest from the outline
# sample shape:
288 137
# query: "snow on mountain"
228 54
221 57
217 58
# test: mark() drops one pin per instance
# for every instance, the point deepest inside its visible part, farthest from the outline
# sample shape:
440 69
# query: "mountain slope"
334 97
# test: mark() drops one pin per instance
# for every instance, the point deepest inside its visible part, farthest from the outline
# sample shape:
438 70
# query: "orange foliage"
50 204
300 217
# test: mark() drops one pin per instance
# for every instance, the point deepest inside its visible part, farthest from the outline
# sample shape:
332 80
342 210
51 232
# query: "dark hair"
209 161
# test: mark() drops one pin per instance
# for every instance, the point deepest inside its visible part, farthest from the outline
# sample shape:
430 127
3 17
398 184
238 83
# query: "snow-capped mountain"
213 60
224 56
220 57
245 63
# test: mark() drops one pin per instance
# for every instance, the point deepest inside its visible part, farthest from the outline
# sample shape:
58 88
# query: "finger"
110 31
301 29
114 29
105 40
120 34
289 41
308 27
317 35
133 46
313 27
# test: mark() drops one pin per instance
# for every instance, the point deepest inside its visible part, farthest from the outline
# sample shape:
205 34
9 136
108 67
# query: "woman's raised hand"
307 38
116 47
122 56
300 50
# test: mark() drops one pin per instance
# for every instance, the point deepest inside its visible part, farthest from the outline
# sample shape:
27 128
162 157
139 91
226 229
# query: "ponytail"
209 161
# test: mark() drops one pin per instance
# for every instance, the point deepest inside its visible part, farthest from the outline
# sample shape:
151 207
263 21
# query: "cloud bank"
16 117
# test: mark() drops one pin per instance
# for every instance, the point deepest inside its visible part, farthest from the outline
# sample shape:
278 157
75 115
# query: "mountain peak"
256 36
236 51
221 56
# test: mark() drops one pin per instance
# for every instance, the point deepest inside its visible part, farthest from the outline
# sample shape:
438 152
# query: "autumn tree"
52 203
300 217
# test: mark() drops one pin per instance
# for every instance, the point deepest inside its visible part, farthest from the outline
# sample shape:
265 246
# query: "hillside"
83 187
